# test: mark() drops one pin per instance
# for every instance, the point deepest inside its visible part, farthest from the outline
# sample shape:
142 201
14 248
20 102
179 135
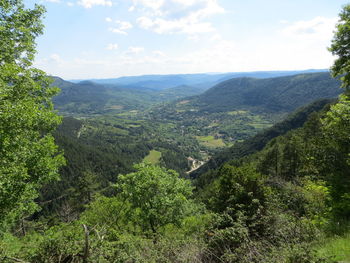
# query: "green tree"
28 154
336 127
241 191
158 196
337 122
341 48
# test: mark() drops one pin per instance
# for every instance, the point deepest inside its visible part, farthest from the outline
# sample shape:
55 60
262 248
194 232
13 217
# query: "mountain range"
202 81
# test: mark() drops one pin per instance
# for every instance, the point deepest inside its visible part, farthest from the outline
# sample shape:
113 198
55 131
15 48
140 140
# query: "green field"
210 141
337 248
153 157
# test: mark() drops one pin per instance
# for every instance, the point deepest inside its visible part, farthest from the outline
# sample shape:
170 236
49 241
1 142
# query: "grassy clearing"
237 112
183 102
131 113
210 141
260 125
337 248
153 157
116 107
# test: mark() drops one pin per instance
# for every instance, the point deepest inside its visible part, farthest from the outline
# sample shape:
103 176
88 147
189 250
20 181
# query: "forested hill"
90 98
273 94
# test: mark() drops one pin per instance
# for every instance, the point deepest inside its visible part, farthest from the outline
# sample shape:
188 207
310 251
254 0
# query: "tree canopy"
28 154
341 48
159 195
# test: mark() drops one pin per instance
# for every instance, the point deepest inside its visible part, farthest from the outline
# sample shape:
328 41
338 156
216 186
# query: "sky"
85 39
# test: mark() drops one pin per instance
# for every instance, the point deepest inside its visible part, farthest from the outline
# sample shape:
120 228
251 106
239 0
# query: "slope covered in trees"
282 94
237 109
87 98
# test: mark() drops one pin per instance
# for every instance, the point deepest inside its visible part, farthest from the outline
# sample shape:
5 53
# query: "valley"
186 123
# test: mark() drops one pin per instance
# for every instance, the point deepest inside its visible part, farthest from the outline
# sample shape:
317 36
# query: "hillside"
237 109
87 98
282 94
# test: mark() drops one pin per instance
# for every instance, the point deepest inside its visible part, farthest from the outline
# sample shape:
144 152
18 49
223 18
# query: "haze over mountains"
203 81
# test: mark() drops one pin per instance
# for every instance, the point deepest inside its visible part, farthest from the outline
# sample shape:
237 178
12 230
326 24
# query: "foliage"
18 29
339 47
336 127
28 154
257 222
335 248
159 197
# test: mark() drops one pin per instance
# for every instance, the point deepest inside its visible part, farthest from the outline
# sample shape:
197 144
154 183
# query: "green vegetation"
259 141
153 157
274 95
277 195
336 248
210 141
339 48
28 154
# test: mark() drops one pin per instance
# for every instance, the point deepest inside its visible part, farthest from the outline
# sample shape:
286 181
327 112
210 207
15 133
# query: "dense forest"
201 168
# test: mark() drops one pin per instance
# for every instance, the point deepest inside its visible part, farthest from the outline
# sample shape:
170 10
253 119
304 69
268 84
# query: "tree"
158 196
28 155
341 48
336 128
337 122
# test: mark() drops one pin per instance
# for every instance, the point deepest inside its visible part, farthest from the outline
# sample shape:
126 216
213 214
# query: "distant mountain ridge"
201 80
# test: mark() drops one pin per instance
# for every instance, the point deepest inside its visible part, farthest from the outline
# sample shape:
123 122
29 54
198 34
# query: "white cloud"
117 31
53 1
55 58
154 5
112 46
158 53
318 28
135 50
216 56
91 3
108 19
121 26
145 22
216 37
131 8
184 25
193 38
178 16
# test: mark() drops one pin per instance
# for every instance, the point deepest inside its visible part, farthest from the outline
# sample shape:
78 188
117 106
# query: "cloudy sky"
112 38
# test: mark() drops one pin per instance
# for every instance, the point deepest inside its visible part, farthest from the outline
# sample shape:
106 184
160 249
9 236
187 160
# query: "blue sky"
112 38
